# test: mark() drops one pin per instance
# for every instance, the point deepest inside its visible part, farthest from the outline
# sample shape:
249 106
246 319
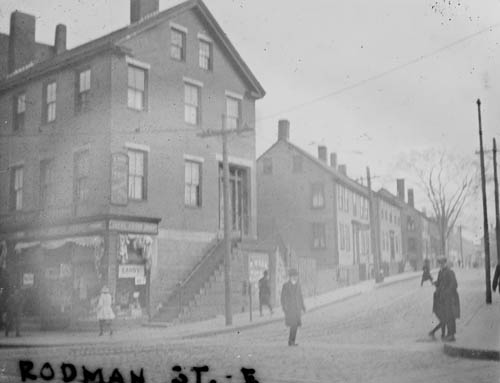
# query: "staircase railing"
194 281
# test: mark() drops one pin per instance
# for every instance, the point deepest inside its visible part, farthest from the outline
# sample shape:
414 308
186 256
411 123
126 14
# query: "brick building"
103 175
314 208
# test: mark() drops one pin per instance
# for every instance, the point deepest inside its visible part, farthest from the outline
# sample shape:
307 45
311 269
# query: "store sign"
140 280
69 229
28 279
119 178
133 227
130 271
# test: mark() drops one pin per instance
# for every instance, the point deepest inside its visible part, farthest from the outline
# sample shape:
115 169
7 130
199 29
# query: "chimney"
343 169
21 40
333 160
142 8
411 201
322 153
401 188
283 130
60 40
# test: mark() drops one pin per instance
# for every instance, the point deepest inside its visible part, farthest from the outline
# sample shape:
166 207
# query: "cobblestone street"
375 337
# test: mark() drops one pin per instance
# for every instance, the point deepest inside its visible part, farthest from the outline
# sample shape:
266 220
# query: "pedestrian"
426 275
496 278
292 303
105 312
265 293
15 304
449 301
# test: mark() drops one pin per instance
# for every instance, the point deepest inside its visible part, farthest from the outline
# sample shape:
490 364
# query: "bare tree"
448 180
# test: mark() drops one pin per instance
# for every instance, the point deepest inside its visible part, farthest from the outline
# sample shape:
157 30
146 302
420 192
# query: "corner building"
104 177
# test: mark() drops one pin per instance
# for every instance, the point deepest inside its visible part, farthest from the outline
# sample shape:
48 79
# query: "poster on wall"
119 178
140 280
130 271
28 279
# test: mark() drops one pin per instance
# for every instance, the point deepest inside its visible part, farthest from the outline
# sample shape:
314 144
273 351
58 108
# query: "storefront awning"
93 241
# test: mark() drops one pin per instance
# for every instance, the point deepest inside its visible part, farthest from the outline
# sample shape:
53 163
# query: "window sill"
144 110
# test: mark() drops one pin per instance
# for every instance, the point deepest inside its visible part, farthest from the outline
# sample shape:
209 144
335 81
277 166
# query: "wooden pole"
227 228
497 208
485 211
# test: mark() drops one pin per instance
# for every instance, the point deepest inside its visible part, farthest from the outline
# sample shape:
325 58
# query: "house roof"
390 198
339 177
111 43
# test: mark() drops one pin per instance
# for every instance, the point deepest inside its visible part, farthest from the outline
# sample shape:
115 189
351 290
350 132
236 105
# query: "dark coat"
448 301
264 289
496 278
292 303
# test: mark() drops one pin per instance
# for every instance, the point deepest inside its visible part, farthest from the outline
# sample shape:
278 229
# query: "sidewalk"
153 332
480 336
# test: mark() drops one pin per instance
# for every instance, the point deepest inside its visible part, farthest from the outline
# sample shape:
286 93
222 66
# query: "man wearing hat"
292 303
447 295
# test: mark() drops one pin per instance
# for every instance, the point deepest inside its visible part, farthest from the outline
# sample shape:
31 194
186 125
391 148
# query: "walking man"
446 290
265 293
14 311
292 303
426 275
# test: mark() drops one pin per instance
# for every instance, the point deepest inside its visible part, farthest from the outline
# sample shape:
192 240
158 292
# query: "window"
192 190
16 188
355 199
191 104
49 95
205 55
46 183
83 91
19 111
177 44
232 113
137 174
318 195
297 164
346 197
136 88
81 176
390 217
267 165
319 235
347 238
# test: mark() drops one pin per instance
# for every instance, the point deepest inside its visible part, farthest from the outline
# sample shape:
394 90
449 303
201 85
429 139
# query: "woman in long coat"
292 303
105 312
448 299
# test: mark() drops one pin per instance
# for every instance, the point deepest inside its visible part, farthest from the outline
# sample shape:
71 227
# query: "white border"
137 63
141 147
189 157
236 161
204 37
192 81
178 27
234 95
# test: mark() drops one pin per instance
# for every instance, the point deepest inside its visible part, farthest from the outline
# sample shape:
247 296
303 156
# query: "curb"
390 283
262 323
469 353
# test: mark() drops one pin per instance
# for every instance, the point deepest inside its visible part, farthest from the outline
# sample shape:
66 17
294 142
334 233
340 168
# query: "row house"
314 207
389 231
104 177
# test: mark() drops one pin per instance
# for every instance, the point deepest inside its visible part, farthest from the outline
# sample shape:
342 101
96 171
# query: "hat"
105 289
293 272
441 260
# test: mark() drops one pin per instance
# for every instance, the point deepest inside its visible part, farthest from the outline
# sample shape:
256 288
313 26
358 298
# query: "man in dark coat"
14 311
448 299
426 275
292 303
496 278
265 293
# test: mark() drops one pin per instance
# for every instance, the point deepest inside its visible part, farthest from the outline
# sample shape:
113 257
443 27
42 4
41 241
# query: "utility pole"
224 133
461 247
497 208
485 211
373 229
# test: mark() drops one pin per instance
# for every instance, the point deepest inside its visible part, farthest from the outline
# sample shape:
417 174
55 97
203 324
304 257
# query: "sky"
371 80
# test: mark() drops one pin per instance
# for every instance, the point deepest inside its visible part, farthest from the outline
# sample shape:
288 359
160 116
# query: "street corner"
461 351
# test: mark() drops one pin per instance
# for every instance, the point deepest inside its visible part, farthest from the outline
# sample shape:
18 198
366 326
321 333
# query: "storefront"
62 268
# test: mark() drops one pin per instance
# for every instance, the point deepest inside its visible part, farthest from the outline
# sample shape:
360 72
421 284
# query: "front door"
238 199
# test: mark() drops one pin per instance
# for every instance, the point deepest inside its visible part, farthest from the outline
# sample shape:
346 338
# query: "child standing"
105 312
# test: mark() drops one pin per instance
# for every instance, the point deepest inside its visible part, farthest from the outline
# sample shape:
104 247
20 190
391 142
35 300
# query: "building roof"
111 43
387 196
338 176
